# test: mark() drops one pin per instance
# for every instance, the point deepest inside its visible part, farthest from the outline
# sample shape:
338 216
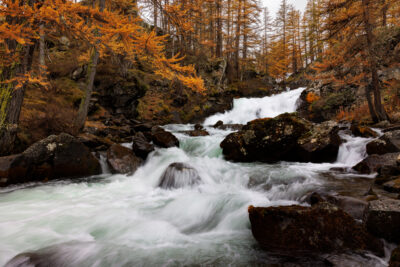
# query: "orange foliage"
312 97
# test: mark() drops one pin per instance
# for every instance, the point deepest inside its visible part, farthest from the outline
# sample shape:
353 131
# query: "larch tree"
120 35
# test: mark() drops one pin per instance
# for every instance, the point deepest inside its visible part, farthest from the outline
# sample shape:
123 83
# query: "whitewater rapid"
247 109
120 220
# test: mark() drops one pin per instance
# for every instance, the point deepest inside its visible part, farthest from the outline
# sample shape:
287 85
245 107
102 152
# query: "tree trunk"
378 106
42 47
219 30
237 39
91 74
11 100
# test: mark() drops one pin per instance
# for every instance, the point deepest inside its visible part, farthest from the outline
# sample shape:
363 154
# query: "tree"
120 35
351 26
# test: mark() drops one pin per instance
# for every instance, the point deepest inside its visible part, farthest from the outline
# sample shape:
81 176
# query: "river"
119 220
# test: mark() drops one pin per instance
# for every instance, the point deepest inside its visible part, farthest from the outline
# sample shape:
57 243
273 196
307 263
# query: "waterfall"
248 109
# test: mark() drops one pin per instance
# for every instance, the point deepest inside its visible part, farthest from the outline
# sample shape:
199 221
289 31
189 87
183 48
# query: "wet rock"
31 259
122 160
162 138
179 175
55 157
234 127
392 186
198 127
143 127
218 124
321 228
395 258
140 146
196 133
382 218
286 137
375 162
362 131
95 143
388 143
353 206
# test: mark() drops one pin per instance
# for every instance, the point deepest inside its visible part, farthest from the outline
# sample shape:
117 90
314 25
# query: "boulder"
33 259
141 146
179 175
162 138
362 131
353 206
196 133
382 219
388 143
392 186
55 157
323 228
395 258
94 142
234 127
373 163
198 127
284 138
218 124
122 160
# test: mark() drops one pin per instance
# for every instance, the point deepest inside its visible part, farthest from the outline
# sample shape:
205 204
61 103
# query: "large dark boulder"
322 228
388 143
382 218
385 164
122 160
353 206
141 146
57 156
362 131
162 138
392 186
395 258
179 175
284 138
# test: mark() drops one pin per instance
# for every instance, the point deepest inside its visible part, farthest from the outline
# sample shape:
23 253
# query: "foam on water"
247 109
128 221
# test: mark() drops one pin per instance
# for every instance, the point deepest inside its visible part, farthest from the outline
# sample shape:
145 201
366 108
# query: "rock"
388 143
55 157
382 218
196 133
395 258
380 180
375 162
122 160
362 131
392 186
321 228
94 142
179 175
162 138
140 146
382 124
284 138
143 127
234 127
198 127
353 206
218 124
32 259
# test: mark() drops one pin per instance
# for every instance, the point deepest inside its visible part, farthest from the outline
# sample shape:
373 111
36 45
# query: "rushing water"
119 220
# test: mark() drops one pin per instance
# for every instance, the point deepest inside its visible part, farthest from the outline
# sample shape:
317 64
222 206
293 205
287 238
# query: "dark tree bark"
372 62
91 74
